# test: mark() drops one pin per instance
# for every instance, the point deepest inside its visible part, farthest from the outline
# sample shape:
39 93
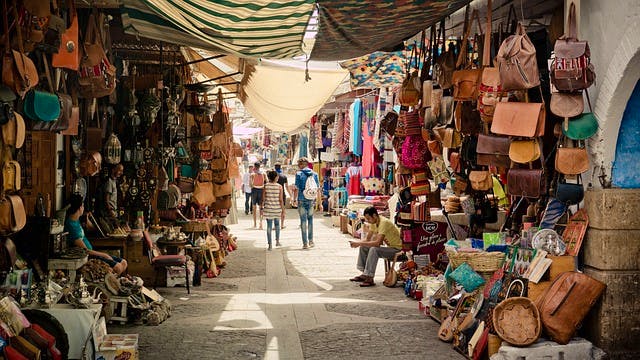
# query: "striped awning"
258 28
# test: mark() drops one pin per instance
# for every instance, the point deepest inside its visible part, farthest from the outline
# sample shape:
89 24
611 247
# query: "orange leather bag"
572 161
18 71
68 55
481 180
519 119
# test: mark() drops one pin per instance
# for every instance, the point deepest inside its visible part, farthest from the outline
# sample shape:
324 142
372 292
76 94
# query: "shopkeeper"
109 204
77 238
382 231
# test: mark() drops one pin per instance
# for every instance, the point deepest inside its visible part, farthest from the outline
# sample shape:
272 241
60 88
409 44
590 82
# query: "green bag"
580 127
42 106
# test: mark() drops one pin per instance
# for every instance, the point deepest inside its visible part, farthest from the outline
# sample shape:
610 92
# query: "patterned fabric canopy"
258 28
352 28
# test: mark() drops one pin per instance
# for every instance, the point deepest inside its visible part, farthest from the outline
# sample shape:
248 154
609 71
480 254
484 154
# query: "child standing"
272 206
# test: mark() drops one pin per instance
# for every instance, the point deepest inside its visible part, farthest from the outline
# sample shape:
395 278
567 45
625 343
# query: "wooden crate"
344 222
559 265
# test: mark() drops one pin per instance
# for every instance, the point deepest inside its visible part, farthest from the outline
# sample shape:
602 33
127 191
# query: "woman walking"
272 206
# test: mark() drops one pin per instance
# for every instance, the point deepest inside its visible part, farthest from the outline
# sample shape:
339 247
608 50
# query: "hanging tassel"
306 71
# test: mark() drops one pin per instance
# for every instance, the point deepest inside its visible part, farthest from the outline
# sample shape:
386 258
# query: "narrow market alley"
290 303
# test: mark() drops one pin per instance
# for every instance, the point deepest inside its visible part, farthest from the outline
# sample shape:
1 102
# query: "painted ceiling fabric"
254 29
277 95
378 69
352 28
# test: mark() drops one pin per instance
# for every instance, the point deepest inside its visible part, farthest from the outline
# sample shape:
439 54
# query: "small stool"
67 264
119 306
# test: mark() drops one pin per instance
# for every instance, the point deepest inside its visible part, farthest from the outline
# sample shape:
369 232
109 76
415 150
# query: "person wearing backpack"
305 195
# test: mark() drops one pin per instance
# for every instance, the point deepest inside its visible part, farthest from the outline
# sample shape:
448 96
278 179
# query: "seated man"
76 236
381 231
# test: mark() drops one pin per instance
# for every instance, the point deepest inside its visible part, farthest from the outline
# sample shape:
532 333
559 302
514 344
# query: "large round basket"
517 321
482 262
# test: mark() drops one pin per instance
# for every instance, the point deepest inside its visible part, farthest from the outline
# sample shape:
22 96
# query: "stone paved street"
290 304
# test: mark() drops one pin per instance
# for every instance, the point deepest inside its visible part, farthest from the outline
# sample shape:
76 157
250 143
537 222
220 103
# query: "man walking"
257 181
246 187
282 181
305 205
381 231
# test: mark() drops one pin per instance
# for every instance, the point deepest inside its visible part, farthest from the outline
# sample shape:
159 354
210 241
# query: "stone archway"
625 172
614 91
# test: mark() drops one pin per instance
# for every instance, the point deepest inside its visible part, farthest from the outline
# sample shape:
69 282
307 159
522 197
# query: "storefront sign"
429 238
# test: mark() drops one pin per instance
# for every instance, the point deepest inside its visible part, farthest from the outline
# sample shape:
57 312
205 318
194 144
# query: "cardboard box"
118 346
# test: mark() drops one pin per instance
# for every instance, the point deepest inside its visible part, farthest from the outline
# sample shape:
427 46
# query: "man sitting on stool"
381 231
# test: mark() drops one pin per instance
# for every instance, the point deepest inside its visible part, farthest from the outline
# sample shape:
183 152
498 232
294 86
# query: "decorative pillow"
467 277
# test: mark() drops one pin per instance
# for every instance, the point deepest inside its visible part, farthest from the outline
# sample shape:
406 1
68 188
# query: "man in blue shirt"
77 238
305 206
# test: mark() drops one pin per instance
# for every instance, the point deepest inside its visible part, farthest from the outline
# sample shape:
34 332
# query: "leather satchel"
12 215
68 55
524 151
203 193
581 127
460 186
528 183
489 93
566 104
454 162
465 84
205 175
444 68
224 189
97 74
13 132
450 137
18 71
467 118
517 62
564 305
11 176
481 180
571 69
410 91
569 193
572 161
493 151
519 119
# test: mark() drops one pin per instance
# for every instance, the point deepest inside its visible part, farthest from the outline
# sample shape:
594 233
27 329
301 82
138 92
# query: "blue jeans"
247 202
271 222
305 210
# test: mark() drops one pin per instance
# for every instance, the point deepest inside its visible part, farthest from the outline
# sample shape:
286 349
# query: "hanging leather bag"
467 118
446 63
13 132
43 106
97 75
581 127
466 81
528 183
481 180
565 304
12 215
517 62
19 73
524 151
490 88
572 161
519 119
449 137
11 176
571 69
7 98
569 193
566 105
223 189
203 193
68 55
493 151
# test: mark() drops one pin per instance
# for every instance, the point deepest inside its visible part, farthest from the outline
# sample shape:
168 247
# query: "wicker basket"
517 321
195 227
481 262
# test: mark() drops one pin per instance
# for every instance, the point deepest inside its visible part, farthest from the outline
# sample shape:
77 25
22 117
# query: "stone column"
612 255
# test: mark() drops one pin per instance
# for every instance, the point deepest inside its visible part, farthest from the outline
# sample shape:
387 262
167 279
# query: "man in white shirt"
246 186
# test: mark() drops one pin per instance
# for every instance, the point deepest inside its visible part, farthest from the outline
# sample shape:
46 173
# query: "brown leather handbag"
467 118
566 104
519 119
571 69
203 193
524 151
465 84
12 215
517 62
493 151
481 180
68 55
18 71
450 137
224 189
564 305
14 131
572 161
528 183
11 176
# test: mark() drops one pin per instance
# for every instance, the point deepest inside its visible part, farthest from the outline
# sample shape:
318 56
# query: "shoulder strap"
486 48
573 32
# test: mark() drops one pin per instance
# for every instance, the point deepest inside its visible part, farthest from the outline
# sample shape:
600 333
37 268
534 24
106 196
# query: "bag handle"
564 298
5 23
47 72
513 282
462 55
486 48
512 23
573 33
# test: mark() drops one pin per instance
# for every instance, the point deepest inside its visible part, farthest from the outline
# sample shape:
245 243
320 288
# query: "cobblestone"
290 304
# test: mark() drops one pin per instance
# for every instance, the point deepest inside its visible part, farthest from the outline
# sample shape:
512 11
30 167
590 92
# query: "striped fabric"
258 28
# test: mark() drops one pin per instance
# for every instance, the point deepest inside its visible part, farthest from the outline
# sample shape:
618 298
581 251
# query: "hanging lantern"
112 150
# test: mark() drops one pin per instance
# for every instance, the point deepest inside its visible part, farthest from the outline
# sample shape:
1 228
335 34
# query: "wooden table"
112 242
68 264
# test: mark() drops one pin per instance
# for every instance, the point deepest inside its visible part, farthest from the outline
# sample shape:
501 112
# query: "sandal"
358 278
367 283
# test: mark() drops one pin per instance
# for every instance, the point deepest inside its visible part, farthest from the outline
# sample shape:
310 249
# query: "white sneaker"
311 244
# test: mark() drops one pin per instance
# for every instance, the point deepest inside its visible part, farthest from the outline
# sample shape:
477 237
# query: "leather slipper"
358 278
367 284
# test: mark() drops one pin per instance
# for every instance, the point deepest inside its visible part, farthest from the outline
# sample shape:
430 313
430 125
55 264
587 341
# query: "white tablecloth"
78 324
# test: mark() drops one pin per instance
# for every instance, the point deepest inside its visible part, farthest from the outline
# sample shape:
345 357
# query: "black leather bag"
568 193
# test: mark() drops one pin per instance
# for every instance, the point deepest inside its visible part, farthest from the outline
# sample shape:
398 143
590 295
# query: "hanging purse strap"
5 23
47 72
14 10
573 32
486 48
462 55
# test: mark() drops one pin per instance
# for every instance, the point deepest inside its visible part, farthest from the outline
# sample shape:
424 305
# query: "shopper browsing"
272 206
246 187
77 238
305 195
257 181
382 231
284 182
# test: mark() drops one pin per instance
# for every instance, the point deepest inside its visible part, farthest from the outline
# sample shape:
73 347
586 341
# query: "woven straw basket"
482 262
517 321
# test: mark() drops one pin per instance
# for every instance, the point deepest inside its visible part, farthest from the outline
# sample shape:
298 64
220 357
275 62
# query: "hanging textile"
347 30
256 29
380 112
376 70
355 137
368 131
304 145
347 131
317 128
352 177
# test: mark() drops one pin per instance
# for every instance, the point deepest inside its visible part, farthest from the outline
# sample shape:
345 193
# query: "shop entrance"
626 173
